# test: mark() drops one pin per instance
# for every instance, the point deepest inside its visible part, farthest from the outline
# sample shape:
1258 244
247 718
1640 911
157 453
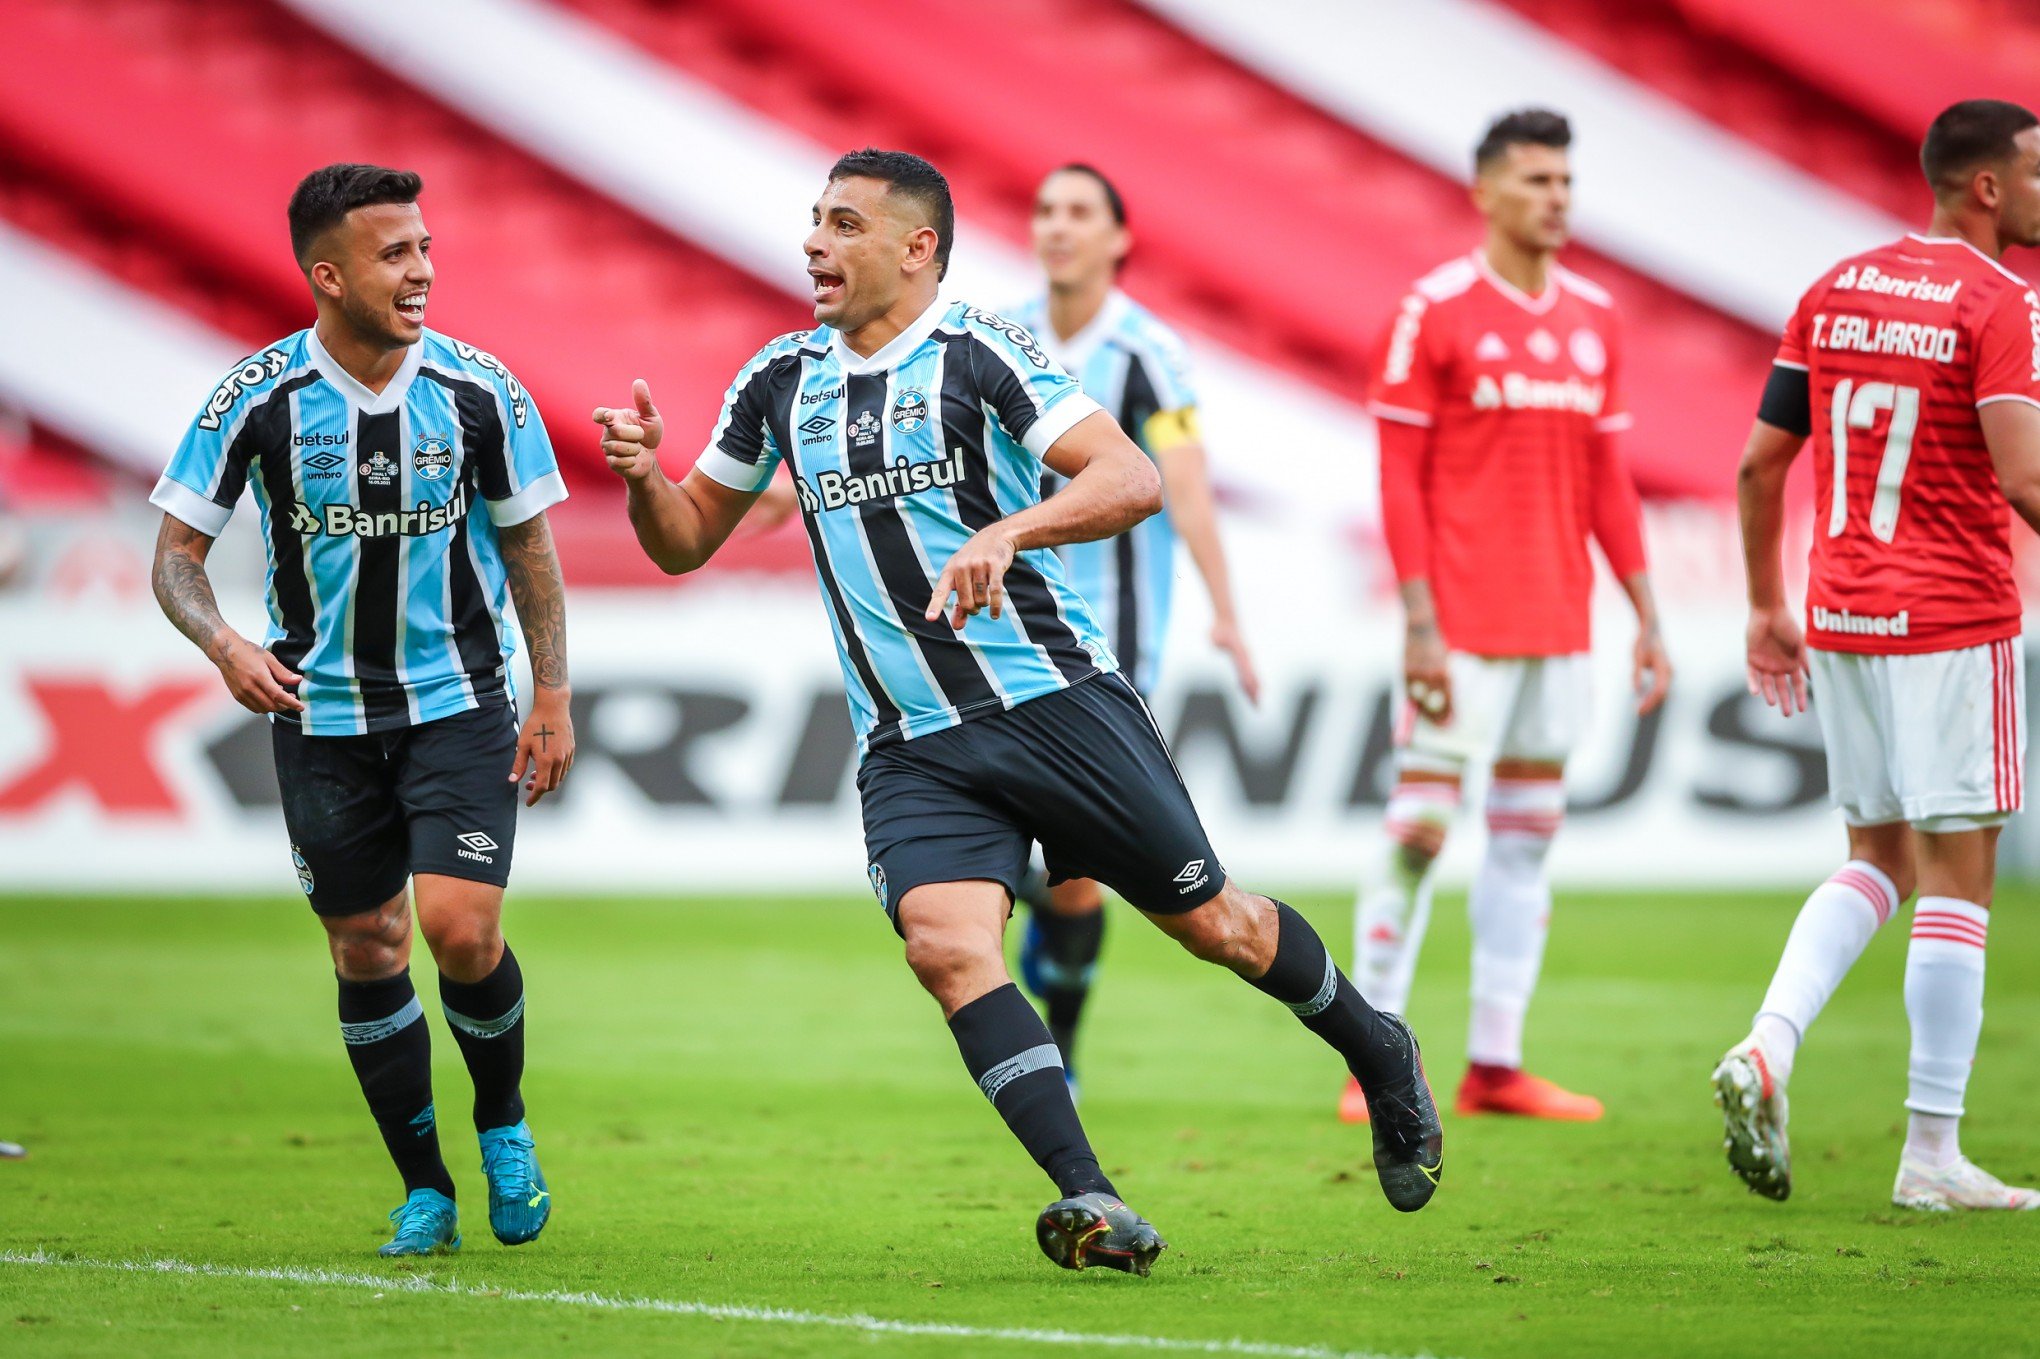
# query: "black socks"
1072 943
1010 1056
1304 978
391 1049
487 1018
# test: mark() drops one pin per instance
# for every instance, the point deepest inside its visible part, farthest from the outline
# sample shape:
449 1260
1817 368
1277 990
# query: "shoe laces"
506 1161
415 1217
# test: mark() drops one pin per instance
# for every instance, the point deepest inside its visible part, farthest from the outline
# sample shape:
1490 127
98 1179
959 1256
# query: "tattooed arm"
546 745
258 681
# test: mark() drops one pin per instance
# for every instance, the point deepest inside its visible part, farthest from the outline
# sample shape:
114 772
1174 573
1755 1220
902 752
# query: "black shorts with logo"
366 812
1082 771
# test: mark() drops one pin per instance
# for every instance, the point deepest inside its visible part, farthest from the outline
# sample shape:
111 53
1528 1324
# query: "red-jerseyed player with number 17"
1497 399
1916 369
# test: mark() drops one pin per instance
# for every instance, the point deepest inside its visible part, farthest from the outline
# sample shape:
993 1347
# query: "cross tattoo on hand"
543 733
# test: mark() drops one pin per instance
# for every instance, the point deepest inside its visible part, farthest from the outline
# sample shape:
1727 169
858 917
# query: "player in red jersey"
1916 369
1496 397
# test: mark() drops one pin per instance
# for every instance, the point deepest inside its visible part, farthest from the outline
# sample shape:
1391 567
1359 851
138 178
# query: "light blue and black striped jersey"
897 459
385 592
1138 370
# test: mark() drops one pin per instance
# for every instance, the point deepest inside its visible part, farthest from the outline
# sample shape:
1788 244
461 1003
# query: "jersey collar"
1957 240
1537 305
1072 354
390 398
895 350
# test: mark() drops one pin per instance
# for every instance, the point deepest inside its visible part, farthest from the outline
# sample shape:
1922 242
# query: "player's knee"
372 945
942 954
465 945
1229 930
1418 814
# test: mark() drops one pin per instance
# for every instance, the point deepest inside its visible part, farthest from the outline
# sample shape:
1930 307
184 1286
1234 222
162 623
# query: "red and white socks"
1944 1001
1510 910
1834 927
1394 908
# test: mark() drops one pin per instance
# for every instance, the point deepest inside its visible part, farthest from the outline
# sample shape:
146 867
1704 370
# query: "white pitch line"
716 1311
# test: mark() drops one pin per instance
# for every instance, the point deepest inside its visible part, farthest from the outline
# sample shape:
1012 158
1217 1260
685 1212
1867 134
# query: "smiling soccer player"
369 442
990 711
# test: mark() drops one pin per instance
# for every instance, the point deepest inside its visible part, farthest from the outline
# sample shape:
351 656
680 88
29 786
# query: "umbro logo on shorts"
1192 877
474 845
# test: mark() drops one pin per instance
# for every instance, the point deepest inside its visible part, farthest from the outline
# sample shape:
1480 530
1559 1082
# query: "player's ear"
921 242
325 279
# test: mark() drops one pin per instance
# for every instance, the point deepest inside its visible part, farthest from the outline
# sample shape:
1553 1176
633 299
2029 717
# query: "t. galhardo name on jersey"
348 521
830 490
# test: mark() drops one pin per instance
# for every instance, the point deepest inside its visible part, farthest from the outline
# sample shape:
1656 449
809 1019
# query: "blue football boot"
519 1203
427 1224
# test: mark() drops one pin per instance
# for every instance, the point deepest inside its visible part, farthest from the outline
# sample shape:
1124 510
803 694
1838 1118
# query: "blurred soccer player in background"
1138 369
1915 367
368 442
1497 398
991 714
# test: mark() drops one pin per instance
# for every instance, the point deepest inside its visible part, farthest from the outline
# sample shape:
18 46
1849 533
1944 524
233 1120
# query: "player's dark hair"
1968 136
906 174
324 197
1112 198
1521 127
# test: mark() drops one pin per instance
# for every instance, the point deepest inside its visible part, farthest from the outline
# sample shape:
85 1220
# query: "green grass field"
756 1127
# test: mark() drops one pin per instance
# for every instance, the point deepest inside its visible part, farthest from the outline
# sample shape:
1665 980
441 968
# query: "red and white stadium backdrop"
715 750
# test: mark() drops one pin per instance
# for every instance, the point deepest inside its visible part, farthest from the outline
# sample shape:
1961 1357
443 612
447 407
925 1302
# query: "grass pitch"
749 1106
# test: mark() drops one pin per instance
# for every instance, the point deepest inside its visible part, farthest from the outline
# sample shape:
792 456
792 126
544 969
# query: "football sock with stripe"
1510 910
1072 943
1016 1064
1833 928
1394 909
487 1019
1944 1001
1304 977
391 1049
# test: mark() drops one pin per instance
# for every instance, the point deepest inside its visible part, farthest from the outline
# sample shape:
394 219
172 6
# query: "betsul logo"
432 458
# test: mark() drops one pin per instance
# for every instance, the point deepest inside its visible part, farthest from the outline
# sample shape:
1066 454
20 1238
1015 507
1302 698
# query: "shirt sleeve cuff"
1402 415
1983 401
539 496
175 498
734 473
1057 421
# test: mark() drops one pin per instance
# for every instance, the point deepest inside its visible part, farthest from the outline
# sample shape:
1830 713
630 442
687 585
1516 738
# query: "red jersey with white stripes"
1911 541
1516 395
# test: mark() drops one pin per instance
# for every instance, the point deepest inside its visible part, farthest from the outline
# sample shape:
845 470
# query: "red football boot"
1510 1090
1352 1103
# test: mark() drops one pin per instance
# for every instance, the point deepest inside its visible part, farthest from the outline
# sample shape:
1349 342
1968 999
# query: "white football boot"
1959 1184
1752 1104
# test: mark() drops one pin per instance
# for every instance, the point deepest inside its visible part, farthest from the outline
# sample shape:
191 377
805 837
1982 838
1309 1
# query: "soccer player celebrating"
1497 396
1916 369
367 440
1136 367
991 714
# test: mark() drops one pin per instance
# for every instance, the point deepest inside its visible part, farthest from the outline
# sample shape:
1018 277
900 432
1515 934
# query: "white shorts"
1503 708
1937 739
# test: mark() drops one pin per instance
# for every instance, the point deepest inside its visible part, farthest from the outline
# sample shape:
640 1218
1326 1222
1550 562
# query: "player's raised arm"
258 681
1112 486
680 525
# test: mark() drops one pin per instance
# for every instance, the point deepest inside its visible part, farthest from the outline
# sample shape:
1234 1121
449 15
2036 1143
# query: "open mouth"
411 306
828 287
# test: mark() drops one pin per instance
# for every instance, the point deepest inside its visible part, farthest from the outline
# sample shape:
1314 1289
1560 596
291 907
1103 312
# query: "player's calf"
1278 952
